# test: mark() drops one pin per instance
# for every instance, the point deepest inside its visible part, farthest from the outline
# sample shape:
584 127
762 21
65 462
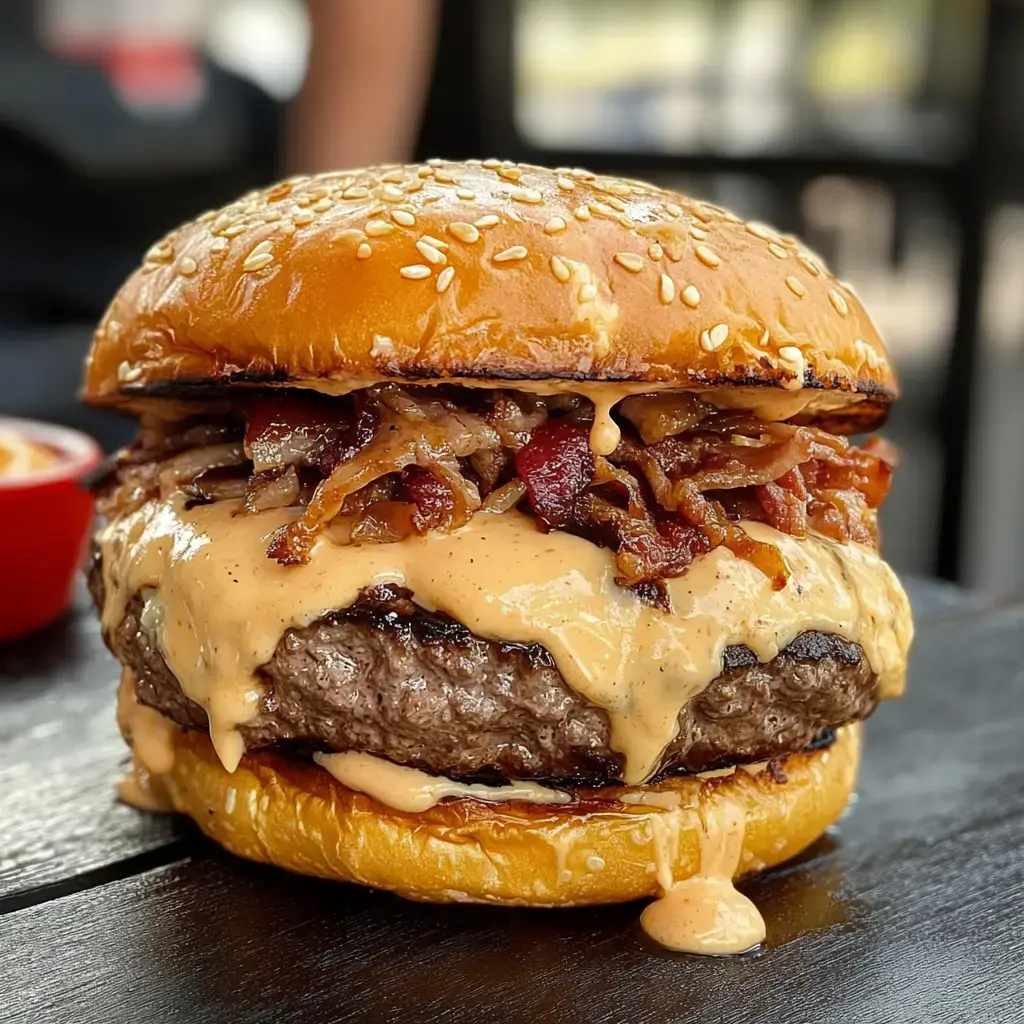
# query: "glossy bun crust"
281 811
486 271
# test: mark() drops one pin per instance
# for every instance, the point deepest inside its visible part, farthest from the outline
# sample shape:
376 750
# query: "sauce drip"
604 434
220 607
151 737
704 913
410 790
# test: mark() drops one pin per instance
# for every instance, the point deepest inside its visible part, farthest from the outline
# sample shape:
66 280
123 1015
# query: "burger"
493 534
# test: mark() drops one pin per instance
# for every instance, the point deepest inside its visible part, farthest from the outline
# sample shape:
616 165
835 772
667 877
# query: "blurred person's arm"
368 74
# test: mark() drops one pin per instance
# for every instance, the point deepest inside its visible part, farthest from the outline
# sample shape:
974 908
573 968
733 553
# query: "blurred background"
888 133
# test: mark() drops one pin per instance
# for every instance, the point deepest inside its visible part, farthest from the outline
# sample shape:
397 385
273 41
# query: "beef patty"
388 678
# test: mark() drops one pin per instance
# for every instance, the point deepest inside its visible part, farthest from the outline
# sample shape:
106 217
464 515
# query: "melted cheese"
407 789
703 913
220 607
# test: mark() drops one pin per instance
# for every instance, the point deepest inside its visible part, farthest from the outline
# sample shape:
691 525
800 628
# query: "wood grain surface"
912 911
59 753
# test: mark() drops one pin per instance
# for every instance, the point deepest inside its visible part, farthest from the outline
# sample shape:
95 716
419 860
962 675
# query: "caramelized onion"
662 415
505 497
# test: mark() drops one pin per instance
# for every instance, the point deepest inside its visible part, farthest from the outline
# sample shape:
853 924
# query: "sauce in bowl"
45 516
20 456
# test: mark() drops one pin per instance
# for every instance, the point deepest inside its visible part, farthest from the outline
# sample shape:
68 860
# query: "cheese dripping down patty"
219 607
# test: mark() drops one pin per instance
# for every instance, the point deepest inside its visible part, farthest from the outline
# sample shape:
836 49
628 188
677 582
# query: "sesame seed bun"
293 814
487 272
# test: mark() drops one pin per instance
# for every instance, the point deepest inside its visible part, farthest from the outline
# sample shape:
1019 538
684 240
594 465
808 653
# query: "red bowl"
45 520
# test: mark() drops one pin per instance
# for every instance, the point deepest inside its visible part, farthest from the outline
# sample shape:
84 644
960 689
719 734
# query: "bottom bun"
602 848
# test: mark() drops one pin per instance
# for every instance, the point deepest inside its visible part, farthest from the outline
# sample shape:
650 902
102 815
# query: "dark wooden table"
912 911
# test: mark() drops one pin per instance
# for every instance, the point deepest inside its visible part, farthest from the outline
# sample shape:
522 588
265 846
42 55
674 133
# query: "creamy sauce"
410 790
19 456
769 403
703 913
222 606
151 737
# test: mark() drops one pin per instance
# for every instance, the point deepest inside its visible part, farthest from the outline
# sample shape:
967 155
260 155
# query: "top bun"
487 271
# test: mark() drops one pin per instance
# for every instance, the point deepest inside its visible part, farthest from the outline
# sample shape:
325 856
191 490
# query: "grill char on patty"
387 678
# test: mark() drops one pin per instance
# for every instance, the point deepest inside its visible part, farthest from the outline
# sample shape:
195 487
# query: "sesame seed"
416 186
437 243
464 193
839 302
666 289
762 231
555 225
302 201
258 261
376 228
304 217
655 251
560 269
510 173
763 340
396 177
464 232
601 210
717 335
581 213
673 209
403 217
707 256
808 264
233 231
583 174
633 263
364 252
699 233
322 205
615 203
516 252
416 272
776 250
187 266
430 252
435 161
320 192
425 172
205 218
392 193
691 296
272 215
626 222
514 215
566 184
222 221
356 192
588 292
487 221
161 253
445 178
351 235
444 279
616 188
527 195
218 245
796 286
491 164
